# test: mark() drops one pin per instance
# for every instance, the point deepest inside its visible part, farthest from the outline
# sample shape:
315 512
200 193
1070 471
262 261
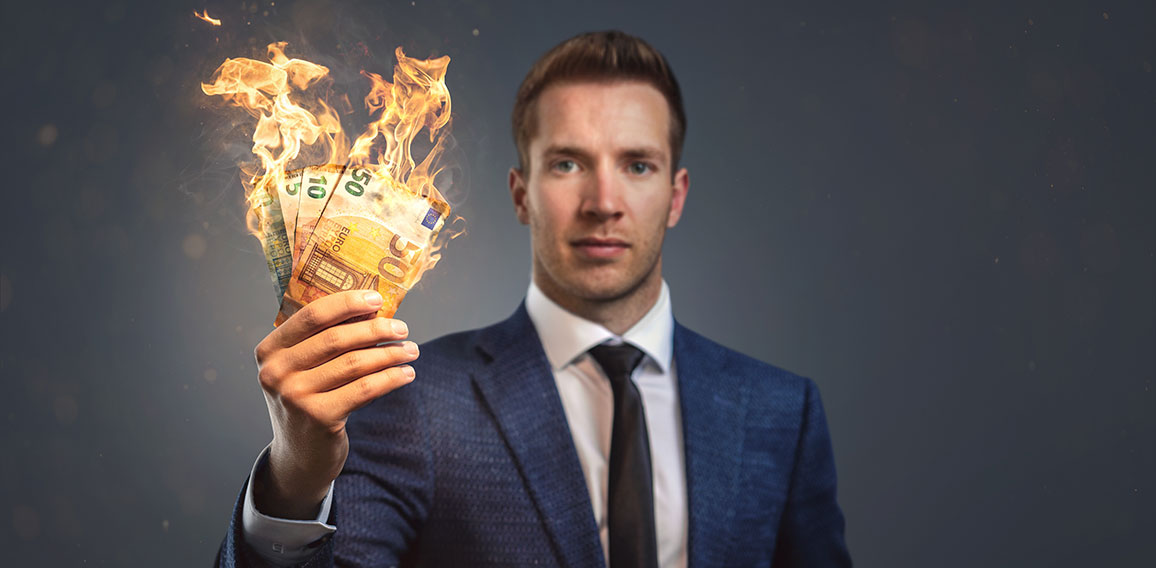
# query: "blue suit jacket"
473 464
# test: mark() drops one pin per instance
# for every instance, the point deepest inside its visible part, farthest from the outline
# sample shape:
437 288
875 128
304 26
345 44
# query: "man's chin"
604 287
587 282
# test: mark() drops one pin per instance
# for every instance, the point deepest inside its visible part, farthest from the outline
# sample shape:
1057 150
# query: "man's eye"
565 166
639 168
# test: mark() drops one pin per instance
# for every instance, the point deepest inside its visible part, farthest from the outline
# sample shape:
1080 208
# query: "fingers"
322 313
356 394
334 341
359 363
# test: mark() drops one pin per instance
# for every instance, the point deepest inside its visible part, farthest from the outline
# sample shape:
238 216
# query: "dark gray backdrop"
943 214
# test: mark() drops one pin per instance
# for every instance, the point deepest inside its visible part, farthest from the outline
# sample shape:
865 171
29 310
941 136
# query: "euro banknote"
274 242
317 183
289 195
373 233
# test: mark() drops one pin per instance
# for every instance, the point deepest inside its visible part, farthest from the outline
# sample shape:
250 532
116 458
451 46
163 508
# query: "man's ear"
518 193
678 197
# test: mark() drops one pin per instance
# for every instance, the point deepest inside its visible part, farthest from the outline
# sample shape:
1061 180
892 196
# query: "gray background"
943 214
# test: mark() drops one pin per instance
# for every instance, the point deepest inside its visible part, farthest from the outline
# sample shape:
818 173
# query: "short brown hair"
598 56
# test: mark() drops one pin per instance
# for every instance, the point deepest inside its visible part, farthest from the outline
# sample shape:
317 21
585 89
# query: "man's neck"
618 314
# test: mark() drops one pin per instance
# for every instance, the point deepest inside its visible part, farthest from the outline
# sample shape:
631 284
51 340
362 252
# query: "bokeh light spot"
194 246
47 134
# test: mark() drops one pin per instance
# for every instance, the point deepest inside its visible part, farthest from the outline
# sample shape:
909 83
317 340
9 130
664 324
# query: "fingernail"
407 371
410 347
373 299
400 328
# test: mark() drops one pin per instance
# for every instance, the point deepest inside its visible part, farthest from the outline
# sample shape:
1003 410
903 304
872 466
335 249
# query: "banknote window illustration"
334 275
329 273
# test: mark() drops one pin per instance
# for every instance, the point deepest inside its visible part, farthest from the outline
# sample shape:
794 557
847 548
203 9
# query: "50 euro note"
374 234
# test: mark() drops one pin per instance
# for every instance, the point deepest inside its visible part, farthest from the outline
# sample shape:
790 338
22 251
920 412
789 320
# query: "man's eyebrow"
640 152
567 151
647 152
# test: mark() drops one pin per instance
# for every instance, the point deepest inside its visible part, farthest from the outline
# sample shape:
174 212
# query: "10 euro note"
317 185
373 234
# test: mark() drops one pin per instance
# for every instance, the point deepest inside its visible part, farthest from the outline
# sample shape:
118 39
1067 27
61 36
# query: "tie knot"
617 361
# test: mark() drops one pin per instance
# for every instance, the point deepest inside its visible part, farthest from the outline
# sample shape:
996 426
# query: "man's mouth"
594 247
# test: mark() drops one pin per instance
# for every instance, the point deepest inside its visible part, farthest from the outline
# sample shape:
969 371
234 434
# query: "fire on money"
360 214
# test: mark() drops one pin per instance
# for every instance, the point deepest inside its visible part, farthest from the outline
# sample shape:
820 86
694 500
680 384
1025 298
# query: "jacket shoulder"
452 358
737 363
455 348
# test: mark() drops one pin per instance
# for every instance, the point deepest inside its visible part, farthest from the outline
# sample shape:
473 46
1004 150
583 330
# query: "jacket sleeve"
811 530
236 553
381 498
385 491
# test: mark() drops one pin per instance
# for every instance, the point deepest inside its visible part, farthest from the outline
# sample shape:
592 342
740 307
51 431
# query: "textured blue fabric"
473 464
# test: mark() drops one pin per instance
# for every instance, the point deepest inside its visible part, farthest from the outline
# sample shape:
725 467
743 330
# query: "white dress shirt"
588 403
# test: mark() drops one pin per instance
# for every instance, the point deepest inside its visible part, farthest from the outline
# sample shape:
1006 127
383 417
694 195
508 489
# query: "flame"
416 99
296 126
204 15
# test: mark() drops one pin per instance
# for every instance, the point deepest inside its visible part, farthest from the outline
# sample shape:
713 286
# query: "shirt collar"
566 337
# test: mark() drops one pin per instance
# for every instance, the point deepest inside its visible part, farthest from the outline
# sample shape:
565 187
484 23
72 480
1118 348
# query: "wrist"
283 490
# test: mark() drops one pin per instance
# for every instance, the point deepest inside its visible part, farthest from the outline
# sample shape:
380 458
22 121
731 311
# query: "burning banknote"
274 242
372 234
369 215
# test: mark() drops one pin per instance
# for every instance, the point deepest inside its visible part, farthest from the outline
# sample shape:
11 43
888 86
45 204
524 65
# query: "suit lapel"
714 405
518 386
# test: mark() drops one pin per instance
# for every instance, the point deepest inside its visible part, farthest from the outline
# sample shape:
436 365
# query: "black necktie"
631 504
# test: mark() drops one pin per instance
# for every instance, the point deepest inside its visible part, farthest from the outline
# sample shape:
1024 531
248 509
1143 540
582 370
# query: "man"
587 429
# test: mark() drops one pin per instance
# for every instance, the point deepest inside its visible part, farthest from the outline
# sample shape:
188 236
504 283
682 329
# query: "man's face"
599 194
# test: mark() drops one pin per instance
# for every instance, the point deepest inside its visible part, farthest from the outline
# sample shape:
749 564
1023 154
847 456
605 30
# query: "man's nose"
602 197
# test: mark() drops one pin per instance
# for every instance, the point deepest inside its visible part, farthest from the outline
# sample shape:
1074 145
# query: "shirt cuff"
283 542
